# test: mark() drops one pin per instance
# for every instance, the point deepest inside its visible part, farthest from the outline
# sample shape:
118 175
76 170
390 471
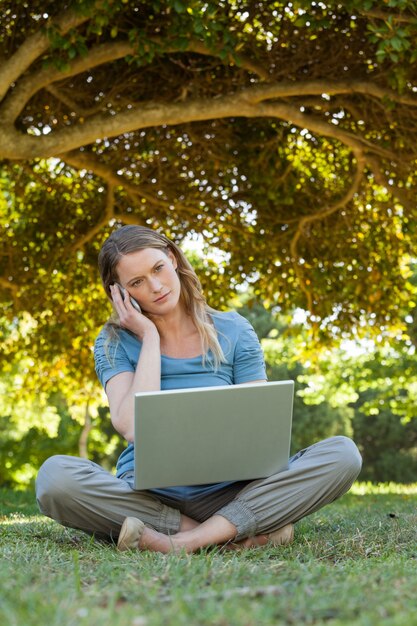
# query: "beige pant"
80 494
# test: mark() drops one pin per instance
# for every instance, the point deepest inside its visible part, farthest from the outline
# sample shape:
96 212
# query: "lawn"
354 562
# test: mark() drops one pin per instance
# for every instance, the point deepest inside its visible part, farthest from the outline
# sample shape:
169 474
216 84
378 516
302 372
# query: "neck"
175 325
179 337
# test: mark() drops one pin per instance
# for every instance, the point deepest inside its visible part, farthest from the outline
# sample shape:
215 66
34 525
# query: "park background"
277 143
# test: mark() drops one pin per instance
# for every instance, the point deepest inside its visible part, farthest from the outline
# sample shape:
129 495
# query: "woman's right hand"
129 317
121 389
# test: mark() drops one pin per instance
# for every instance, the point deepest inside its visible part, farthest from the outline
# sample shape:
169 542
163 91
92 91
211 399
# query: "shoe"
130 534
283 536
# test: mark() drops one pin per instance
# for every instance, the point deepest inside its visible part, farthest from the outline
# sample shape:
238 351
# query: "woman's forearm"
147 377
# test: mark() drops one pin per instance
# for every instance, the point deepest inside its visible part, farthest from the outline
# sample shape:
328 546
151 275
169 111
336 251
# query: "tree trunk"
83 441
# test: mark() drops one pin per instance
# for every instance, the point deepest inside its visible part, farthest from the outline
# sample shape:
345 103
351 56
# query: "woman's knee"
348 457
56 483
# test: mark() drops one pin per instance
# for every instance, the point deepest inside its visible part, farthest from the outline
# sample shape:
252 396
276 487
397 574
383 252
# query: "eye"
137 283
159 267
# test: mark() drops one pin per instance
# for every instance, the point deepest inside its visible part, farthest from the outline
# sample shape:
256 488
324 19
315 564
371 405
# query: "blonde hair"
128 239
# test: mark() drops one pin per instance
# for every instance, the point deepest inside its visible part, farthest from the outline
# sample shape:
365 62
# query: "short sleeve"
111 357
249 363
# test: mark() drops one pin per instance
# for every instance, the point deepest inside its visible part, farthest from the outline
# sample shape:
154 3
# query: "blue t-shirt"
244 363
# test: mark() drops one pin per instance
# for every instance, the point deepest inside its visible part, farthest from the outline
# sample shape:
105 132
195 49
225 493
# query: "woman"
177 341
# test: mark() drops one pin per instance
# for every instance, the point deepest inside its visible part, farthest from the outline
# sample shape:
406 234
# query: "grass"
352 563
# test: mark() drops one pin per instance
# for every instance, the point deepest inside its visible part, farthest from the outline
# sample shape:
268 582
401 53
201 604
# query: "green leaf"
72 52
179 6
198 27
396 43
181 43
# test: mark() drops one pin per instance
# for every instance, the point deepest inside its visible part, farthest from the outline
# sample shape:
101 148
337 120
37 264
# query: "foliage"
283 132
379 386
365 390
30 433
311 422
370 396
49 400
366 540
282 345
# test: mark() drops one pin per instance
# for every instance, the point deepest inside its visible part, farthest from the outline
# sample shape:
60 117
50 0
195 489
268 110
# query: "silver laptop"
212 434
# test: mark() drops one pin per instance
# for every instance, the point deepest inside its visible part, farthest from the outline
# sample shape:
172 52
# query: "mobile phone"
133 302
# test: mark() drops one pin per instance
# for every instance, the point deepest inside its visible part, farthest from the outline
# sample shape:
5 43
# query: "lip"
162 298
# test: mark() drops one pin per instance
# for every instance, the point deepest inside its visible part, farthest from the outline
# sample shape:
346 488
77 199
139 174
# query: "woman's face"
149 276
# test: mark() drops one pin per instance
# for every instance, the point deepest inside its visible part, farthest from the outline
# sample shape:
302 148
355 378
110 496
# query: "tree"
284 132
378 386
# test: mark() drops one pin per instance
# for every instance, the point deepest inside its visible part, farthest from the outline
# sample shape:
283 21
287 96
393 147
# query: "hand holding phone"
124 292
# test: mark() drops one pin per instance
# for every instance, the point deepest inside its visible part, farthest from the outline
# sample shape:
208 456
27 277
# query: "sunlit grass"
363 489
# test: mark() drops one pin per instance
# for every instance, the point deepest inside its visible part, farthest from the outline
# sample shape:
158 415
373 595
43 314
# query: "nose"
155 285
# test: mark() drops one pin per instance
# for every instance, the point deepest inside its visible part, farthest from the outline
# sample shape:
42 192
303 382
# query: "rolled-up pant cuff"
169 521
238 513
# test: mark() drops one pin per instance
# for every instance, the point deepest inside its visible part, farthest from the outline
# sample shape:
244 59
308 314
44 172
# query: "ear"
172 258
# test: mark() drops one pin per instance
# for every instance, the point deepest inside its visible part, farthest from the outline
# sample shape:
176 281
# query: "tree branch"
98 55
102 222
26 88
128 218
401 18
293 115
34 47
260 93
80 161
320 215
382 179
249 102
71 104
245 61
7 284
